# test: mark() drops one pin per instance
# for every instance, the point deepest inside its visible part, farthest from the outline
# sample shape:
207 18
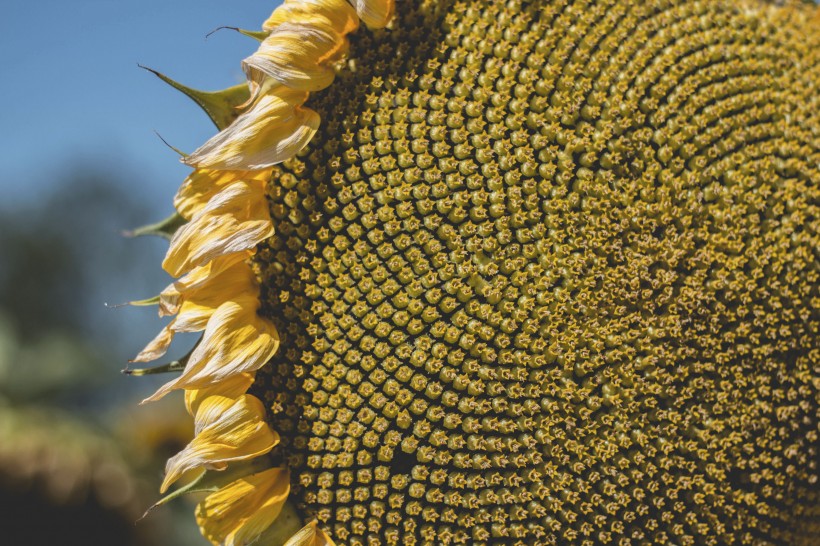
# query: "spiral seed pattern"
548 274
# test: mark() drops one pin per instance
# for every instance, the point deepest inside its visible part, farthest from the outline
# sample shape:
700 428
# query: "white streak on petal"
375 13
236 340
234 220
297 56
338 15
226 430
272 131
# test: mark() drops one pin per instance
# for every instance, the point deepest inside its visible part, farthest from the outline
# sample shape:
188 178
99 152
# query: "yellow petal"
206 287
375 13
157 346
226 430
202 184
237 514
273 130
236 340
338 14
234 220
232 387
197 296
297 56
310 535
198 280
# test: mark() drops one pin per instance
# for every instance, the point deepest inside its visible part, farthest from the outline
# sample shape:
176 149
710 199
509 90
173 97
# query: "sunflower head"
508 272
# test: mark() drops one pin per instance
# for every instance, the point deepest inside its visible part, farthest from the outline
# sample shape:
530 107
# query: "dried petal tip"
196 297
236 340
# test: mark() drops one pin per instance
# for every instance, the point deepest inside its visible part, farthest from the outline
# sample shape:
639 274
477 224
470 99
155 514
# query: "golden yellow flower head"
510 272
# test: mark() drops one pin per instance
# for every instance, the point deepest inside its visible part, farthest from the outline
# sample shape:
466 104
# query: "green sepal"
170 367
179 152
164 228
136 303
221 106
145 303
210 481
174 366
258 35
201 484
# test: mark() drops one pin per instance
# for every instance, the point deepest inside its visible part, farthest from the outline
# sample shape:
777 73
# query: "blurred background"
80 460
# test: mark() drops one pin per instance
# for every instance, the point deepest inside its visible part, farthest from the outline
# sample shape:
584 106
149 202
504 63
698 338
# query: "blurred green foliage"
79 461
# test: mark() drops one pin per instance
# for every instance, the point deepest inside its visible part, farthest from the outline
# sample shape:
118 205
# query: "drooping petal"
202 184
236 340
196 297
297 56
234 220
338 15
238 513
157 346
375 13
273 130
232 387
226 430
208 286
310 535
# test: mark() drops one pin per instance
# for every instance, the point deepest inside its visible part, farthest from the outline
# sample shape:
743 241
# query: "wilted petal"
226 430
157 346
234 220
310 535
238 513
196 297
232 387
202 184
273 130
336 14
375 13
297 56
208 286
236 340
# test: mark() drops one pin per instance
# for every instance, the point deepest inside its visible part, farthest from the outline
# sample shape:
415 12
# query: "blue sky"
72 92
72 96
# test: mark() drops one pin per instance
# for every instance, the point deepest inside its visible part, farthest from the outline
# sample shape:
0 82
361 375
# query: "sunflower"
521 272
